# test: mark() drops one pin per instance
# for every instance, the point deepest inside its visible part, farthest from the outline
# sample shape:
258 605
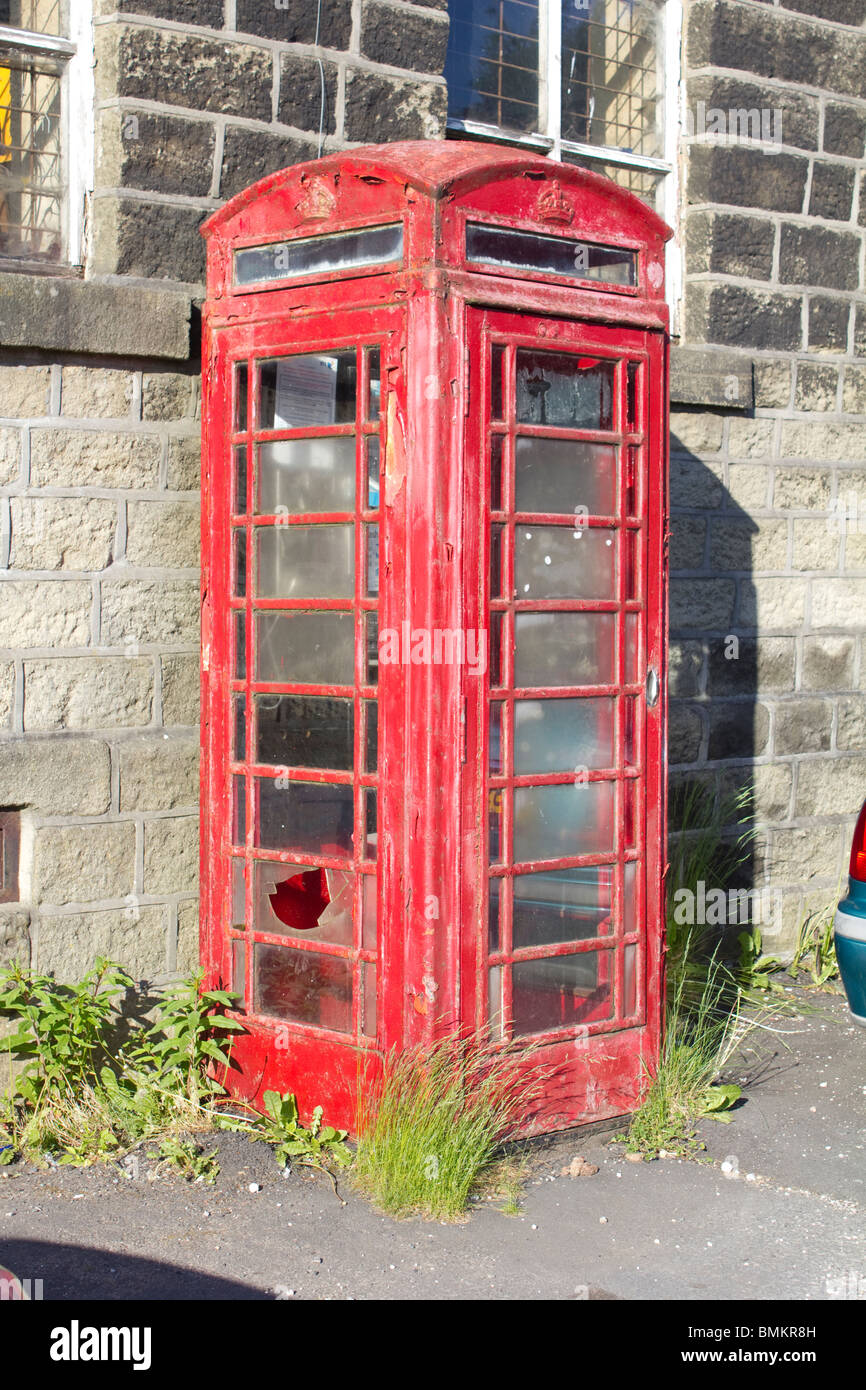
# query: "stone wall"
769 534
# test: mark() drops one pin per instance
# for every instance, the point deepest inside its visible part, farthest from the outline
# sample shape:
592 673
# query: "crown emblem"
553 206
317 203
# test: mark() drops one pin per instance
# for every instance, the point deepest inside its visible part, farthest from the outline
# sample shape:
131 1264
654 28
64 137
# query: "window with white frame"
45 132
582 79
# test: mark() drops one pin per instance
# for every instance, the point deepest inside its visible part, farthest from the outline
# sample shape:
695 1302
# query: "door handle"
653 686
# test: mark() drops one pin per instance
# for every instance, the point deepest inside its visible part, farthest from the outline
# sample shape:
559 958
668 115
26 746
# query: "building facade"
123 123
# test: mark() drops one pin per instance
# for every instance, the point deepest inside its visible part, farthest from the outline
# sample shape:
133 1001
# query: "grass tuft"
432 1125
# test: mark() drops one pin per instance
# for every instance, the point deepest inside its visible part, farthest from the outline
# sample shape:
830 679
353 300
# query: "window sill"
64 313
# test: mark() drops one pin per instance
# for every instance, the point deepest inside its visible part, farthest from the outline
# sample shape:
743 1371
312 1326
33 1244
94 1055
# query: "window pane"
561 735
558 475
560 992
610 76
550 255
305 731
31 171
564 562
566 905
564 649
305 648
492 63
305 561
553 822
303 987
299 391
568 391
317 255
39 16
307 475
313 817
291 899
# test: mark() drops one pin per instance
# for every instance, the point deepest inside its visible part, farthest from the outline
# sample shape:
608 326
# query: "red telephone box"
434 604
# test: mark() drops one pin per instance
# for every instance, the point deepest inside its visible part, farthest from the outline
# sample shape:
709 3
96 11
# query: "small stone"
255 1187
602 1220
634 1158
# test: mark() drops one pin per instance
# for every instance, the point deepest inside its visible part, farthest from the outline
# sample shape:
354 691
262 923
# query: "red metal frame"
434 321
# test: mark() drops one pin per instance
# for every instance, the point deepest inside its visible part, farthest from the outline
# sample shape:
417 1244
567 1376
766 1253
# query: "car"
850 926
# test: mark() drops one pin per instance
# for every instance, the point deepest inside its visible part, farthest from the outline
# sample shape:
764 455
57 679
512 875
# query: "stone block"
149 611
403 38
800 489
828 663
819 256
745 177
844 130
745 545
816 546
171 855
828 324
685 662
10 456
832 193
7 693
685 730
300 102
729 245
750 439
802 726
380 108
251 154
180 690
816 386
134 936
14 936
772 384
187 938
158 772
45 613
69 533
56 776
764 664
88 392
91 458
176 69
830 786
184 464
156 153
854 391
766 603
44 311
84 863
851 723
696 432
24 391
169 396
702 604
738 317
738 729
87 693
163 533
694 484
838 602
748 486
294 21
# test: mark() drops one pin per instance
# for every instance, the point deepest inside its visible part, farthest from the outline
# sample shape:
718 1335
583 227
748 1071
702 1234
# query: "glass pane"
563 735
239 748
240 625
374 375
307 475
631 543
239 810
241 397
240 562
610 74
629 986
565 562
564 649
496 561
560 992
38 16
313 817
491 67
495 758
494 1000
630 732
496 629
629 820
305 731
371 748
239 907
565 905
368 912
550 255
370 823
240 492
372 647
239 975
305 648
553 822
631 395
372 542
317 255
494 895
290 899
494 819
497 363
561 475
303 987
298 391
496 473
568 391
305 561
631 480
632 648
629 898
32 179
372 474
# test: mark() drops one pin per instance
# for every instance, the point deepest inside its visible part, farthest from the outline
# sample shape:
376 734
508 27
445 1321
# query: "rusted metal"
441 783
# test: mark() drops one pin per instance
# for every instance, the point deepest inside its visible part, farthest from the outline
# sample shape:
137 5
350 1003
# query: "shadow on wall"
718 727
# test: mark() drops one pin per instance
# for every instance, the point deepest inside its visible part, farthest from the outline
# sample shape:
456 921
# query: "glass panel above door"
568 391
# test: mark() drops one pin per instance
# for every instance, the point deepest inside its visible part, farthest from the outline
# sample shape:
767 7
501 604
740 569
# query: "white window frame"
77 139
548 139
